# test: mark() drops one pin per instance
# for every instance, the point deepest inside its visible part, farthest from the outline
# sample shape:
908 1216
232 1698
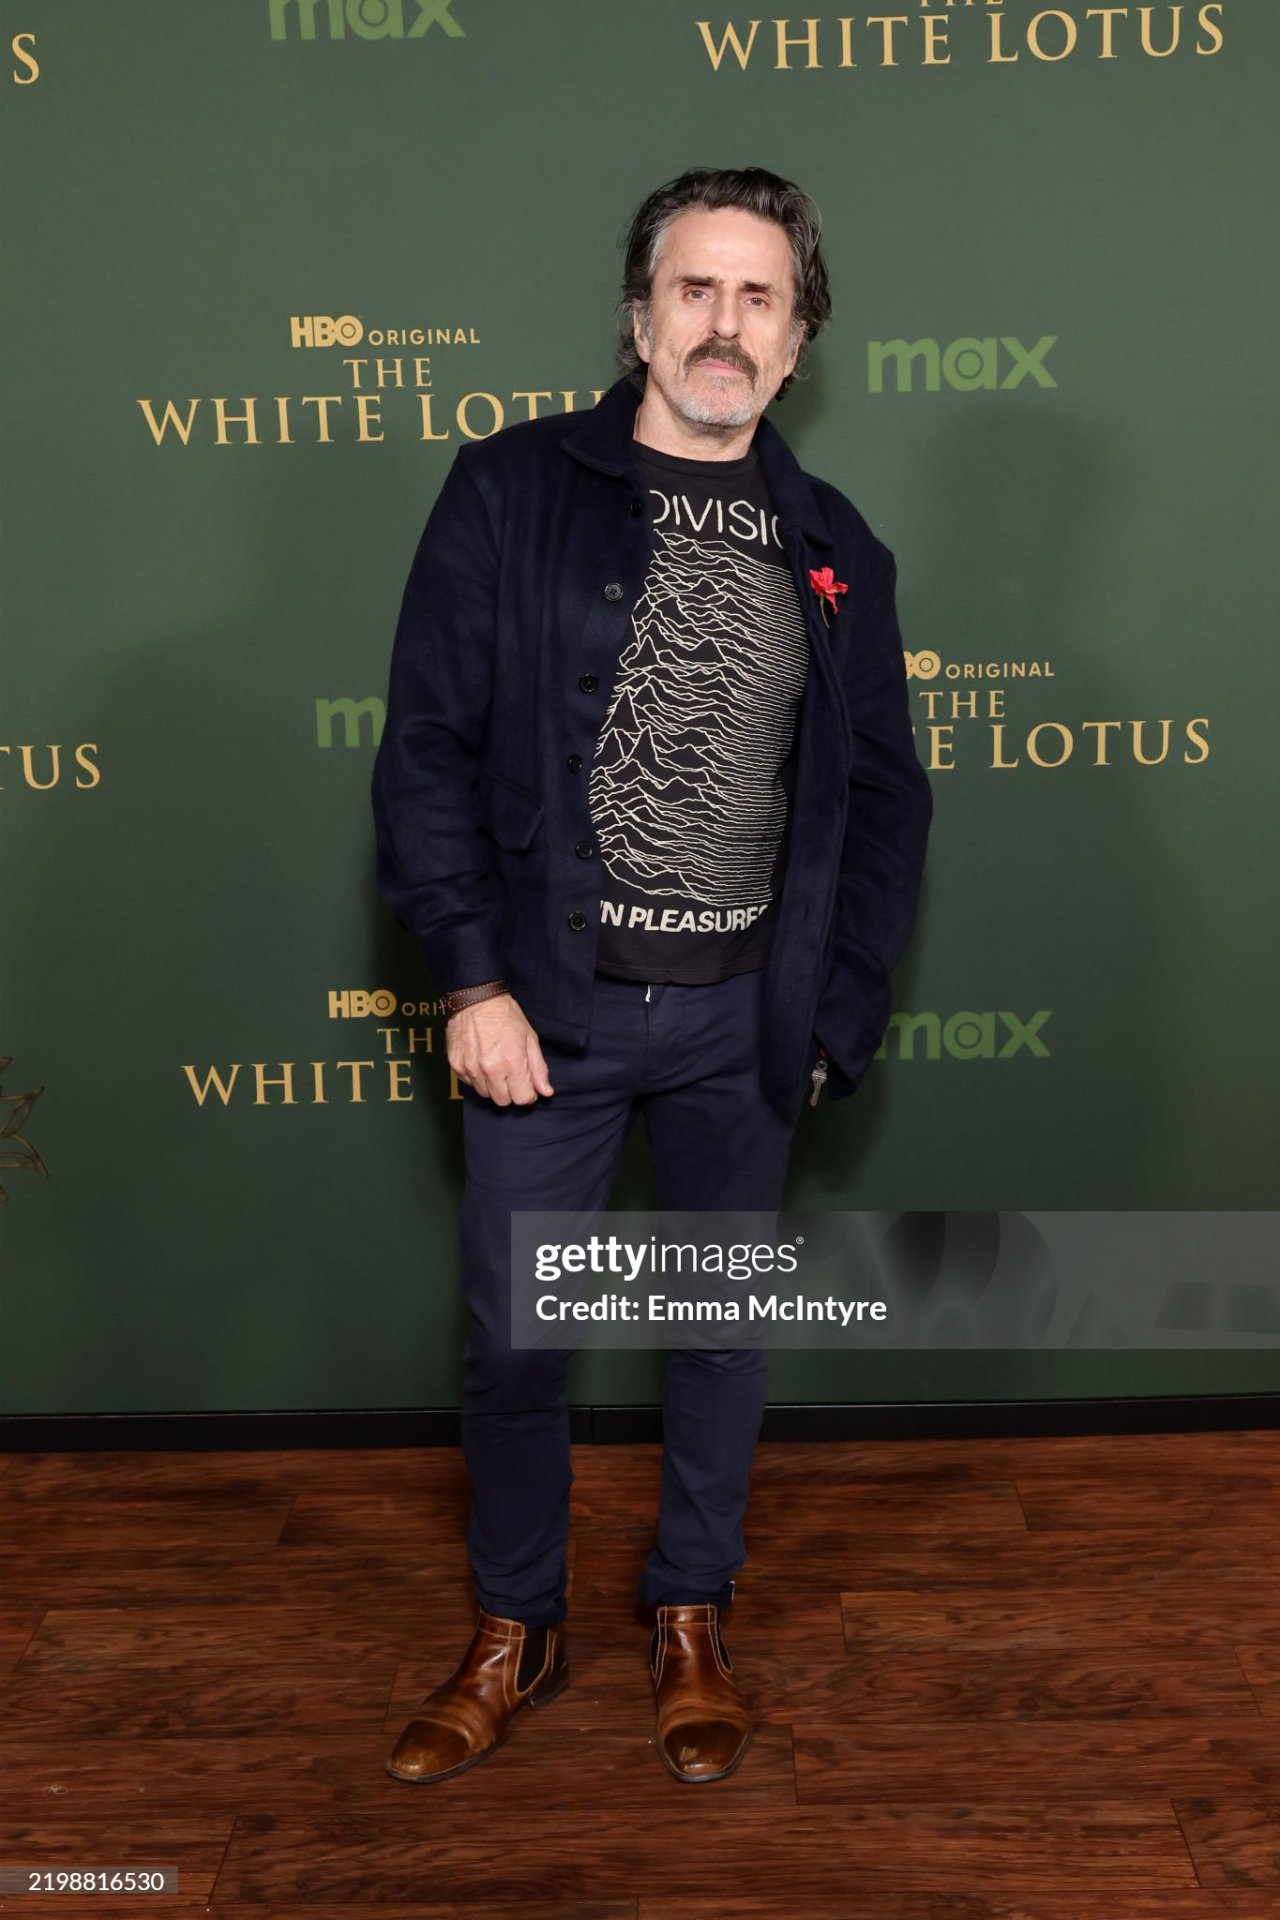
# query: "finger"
497 1087
523 1091
538 1066
470 1067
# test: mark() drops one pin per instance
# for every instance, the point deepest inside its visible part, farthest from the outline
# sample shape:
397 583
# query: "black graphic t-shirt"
695 762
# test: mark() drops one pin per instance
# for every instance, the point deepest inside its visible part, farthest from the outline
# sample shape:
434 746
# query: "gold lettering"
170 416
1063 733
1138 754
999 58
1107 15
935 28
247 419
20 52
368 415
1197 740
809 39
28 768
1104 727
728 38
356 1068
324 401
428 431
463 414
940 742
888 21
1033 33
1159 53
263 1080
1210 26
998 760
89 766
201 1092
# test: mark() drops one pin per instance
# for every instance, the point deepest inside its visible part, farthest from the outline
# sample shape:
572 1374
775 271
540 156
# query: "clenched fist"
494 1049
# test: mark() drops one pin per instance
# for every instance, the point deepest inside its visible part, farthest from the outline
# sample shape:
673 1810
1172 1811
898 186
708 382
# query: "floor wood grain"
992 1680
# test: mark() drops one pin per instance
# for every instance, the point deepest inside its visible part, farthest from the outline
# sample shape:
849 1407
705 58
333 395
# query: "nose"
726 318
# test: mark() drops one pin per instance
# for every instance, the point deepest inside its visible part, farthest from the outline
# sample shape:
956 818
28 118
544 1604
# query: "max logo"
966 365
965 1036
367 19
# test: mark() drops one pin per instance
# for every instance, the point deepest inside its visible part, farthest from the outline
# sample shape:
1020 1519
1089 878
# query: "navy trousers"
688 1058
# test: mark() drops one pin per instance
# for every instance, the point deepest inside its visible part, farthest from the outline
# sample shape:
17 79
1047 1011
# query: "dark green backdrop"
1070 452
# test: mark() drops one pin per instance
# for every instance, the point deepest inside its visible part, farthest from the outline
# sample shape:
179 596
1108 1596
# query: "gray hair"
752 190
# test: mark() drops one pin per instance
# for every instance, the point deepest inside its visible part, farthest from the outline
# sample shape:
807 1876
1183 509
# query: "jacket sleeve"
887 830
434 867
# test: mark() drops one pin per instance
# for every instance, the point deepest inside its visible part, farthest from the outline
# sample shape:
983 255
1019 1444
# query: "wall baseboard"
628 1425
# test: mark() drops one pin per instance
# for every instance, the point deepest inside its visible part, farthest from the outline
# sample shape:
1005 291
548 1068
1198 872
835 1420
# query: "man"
648 797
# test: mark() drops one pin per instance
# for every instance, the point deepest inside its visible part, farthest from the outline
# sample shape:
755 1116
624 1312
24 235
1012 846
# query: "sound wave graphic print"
684 793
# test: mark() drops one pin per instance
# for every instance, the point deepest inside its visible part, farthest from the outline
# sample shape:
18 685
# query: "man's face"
721 339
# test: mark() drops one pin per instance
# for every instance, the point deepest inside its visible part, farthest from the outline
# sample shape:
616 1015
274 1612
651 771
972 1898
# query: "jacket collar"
604 439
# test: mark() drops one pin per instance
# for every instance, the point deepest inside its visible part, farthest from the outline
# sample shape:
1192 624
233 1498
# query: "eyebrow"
714 280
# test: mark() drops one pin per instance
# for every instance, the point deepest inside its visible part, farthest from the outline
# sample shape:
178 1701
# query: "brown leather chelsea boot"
467 1717
703 1726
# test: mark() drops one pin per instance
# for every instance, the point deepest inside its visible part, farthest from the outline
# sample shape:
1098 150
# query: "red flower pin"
826 586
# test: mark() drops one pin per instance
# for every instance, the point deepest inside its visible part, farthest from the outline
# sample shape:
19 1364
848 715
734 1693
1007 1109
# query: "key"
819 1078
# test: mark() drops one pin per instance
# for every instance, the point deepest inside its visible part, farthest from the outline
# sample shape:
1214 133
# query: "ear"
640 332
793 350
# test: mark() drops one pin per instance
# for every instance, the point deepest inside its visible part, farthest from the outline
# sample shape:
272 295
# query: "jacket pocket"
510 815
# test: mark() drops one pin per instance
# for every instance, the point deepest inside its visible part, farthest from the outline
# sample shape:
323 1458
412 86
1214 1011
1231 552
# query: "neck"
657 425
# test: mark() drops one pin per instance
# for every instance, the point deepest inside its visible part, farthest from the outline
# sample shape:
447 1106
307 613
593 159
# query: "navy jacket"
515 610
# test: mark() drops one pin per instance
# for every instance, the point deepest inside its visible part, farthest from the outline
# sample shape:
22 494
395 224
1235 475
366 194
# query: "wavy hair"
751 190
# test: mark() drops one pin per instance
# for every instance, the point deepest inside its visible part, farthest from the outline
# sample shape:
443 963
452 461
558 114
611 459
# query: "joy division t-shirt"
695 762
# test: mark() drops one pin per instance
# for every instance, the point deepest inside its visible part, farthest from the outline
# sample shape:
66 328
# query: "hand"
494 1049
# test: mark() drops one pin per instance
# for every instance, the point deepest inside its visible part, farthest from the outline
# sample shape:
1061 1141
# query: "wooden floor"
994 1680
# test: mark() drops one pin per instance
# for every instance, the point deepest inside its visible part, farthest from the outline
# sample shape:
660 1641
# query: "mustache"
726 351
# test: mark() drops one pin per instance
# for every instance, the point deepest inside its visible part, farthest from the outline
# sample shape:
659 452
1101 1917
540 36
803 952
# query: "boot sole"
707 1779
537 1699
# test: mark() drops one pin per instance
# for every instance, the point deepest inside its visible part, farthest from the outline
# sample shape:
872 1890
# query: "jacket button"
614 590
584 849
574 762
588 683
637 506
577 921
